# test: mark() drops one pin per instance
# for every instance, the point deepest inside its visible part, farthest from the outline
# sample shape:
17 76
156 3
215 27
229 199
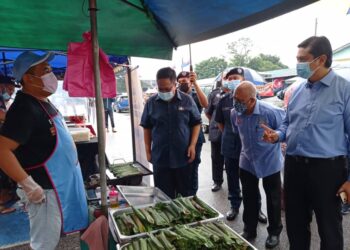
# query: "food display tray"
250 246
132 180
122 239
139 195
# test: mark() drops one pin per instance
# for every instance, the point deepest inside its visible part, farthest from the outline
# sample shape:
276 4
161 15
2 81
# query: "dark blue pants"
109 112
234 190
173 181
250 188
195 164
217 162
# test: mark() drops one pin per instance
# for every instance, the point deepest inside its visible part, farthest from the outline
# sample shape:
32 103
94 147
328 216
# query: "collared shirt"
258 157
213 100
318 118
231 142
171 124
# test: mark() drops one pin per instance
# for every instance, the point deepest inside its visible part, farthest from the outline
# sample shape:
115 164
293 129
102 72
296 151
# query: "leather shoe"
248 236
232 214
272 241
262 217
216 187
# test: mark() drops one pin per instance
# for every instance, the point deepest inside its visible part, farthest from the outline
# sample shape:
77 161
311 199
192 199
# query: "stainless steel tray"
122 239
138 195
250 246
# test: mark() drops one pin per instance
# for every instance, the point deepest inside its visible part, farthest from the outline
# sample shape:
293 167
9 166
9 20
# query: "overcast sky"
279 36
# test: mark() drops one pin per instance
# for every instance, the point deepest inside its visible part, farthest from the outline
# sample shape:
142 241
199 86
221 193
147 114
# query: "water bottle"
113 198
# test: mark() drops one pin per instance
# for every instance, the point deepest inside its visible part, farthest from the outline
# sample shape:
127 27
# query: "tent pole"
131 106
99 106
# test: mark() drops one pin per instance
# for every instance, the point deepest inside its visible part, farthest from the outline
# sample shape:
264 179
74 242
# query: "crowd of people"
246 137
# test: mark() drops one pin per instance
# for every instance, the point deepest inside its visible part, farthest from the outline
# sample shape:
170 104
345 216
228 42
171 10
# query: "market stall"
151 24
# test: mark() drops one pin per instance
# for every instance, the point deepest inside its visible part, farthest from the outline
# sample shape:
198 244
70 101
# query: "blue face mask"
166 96
231 85
6 96
304 70
240 107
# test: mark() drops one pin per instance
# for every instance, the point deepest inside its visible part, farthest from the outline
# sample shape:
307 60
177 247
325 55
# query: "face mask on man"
50 82
166 96
184 87
231 85
6 96
240 107
304 70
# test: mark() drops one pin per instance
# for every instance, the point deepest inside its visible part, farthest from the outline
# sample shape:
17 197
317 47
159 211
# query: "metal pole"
131 102
99 106
191 67
316 27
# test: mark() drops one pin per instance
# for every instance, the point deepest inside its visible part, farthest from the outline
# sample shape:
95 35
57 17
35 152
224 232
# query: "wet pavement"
119 146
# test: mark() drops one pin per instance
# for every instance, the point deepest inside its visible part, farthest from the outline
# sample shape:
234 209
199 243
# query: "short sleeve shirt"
171 124
29 125
231 142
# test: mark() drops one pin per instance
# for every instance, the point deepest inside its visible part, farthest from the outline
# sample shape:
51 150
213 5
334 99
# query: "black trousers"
217 162
173 181
195 164
311 184
109 112
250 188
234 189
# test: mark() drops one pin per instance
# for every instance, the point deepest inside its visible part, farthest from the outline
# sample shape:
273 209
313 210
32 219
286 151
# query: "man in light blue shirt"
315 128
258 159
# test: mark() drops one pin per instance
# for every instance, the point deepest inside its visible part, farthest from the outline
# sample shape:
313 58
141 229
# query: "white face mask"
50 82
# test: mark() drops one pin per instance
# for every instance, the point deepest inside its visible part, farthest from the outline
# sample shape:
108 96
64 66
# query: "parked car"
121 104
207 87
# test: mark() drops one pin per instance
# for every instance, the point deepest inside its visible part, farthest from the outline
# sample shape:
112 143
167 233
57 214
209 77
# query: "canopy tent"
58 64
144 28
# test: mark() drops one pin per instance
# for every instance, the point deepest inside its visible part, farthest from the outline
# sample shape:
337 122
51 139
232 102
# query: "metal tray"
128 180
250 246
122 239
138 195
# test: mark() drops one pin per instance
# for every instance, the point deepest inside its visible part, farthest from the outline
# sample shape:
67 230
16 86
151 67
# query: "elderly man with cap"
258 159
231 143
188 84
38 153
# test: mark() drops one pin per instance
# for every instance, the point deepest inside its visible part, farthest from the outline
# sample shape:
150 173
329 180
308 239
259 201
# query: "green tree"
265 62
210 67
240 51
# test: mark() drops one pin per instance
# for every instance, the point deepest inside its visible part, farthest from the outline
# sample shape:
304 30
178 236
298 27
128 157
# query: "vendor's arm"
201 96
8 162
2 115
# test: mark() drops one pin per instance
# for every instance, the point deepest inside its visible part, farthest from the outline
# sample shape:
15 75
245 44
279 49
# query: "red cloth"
96 236
79 76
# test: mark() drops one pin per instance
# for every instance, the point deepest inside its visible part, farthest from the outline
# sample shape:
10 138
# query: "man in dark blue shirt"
188 84
215 137
171 123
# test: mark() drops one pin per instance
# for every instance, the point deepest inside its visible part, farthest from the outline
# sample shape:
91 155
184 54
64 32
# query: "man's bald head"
245 94
246 90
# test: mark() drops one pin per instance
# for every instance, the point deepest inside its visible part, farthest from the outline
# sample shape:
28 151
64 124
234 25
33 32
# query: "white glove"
34 192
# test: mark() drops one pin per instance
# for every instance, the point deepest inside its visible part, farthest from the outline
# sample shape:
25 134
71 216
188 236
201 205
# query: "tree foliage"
240 52
210 67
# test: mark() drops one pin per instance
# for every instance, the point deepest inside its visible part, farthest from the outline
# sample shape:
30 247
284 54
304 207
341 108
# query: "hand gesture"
270 135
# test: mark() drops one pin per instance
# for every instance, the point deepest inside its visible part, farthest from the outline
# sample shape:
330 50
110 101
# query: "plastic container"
113 197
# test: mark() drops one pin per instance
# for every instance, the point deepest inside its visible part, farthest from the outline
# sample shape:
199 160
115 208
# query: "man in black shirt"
188 84
38 153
